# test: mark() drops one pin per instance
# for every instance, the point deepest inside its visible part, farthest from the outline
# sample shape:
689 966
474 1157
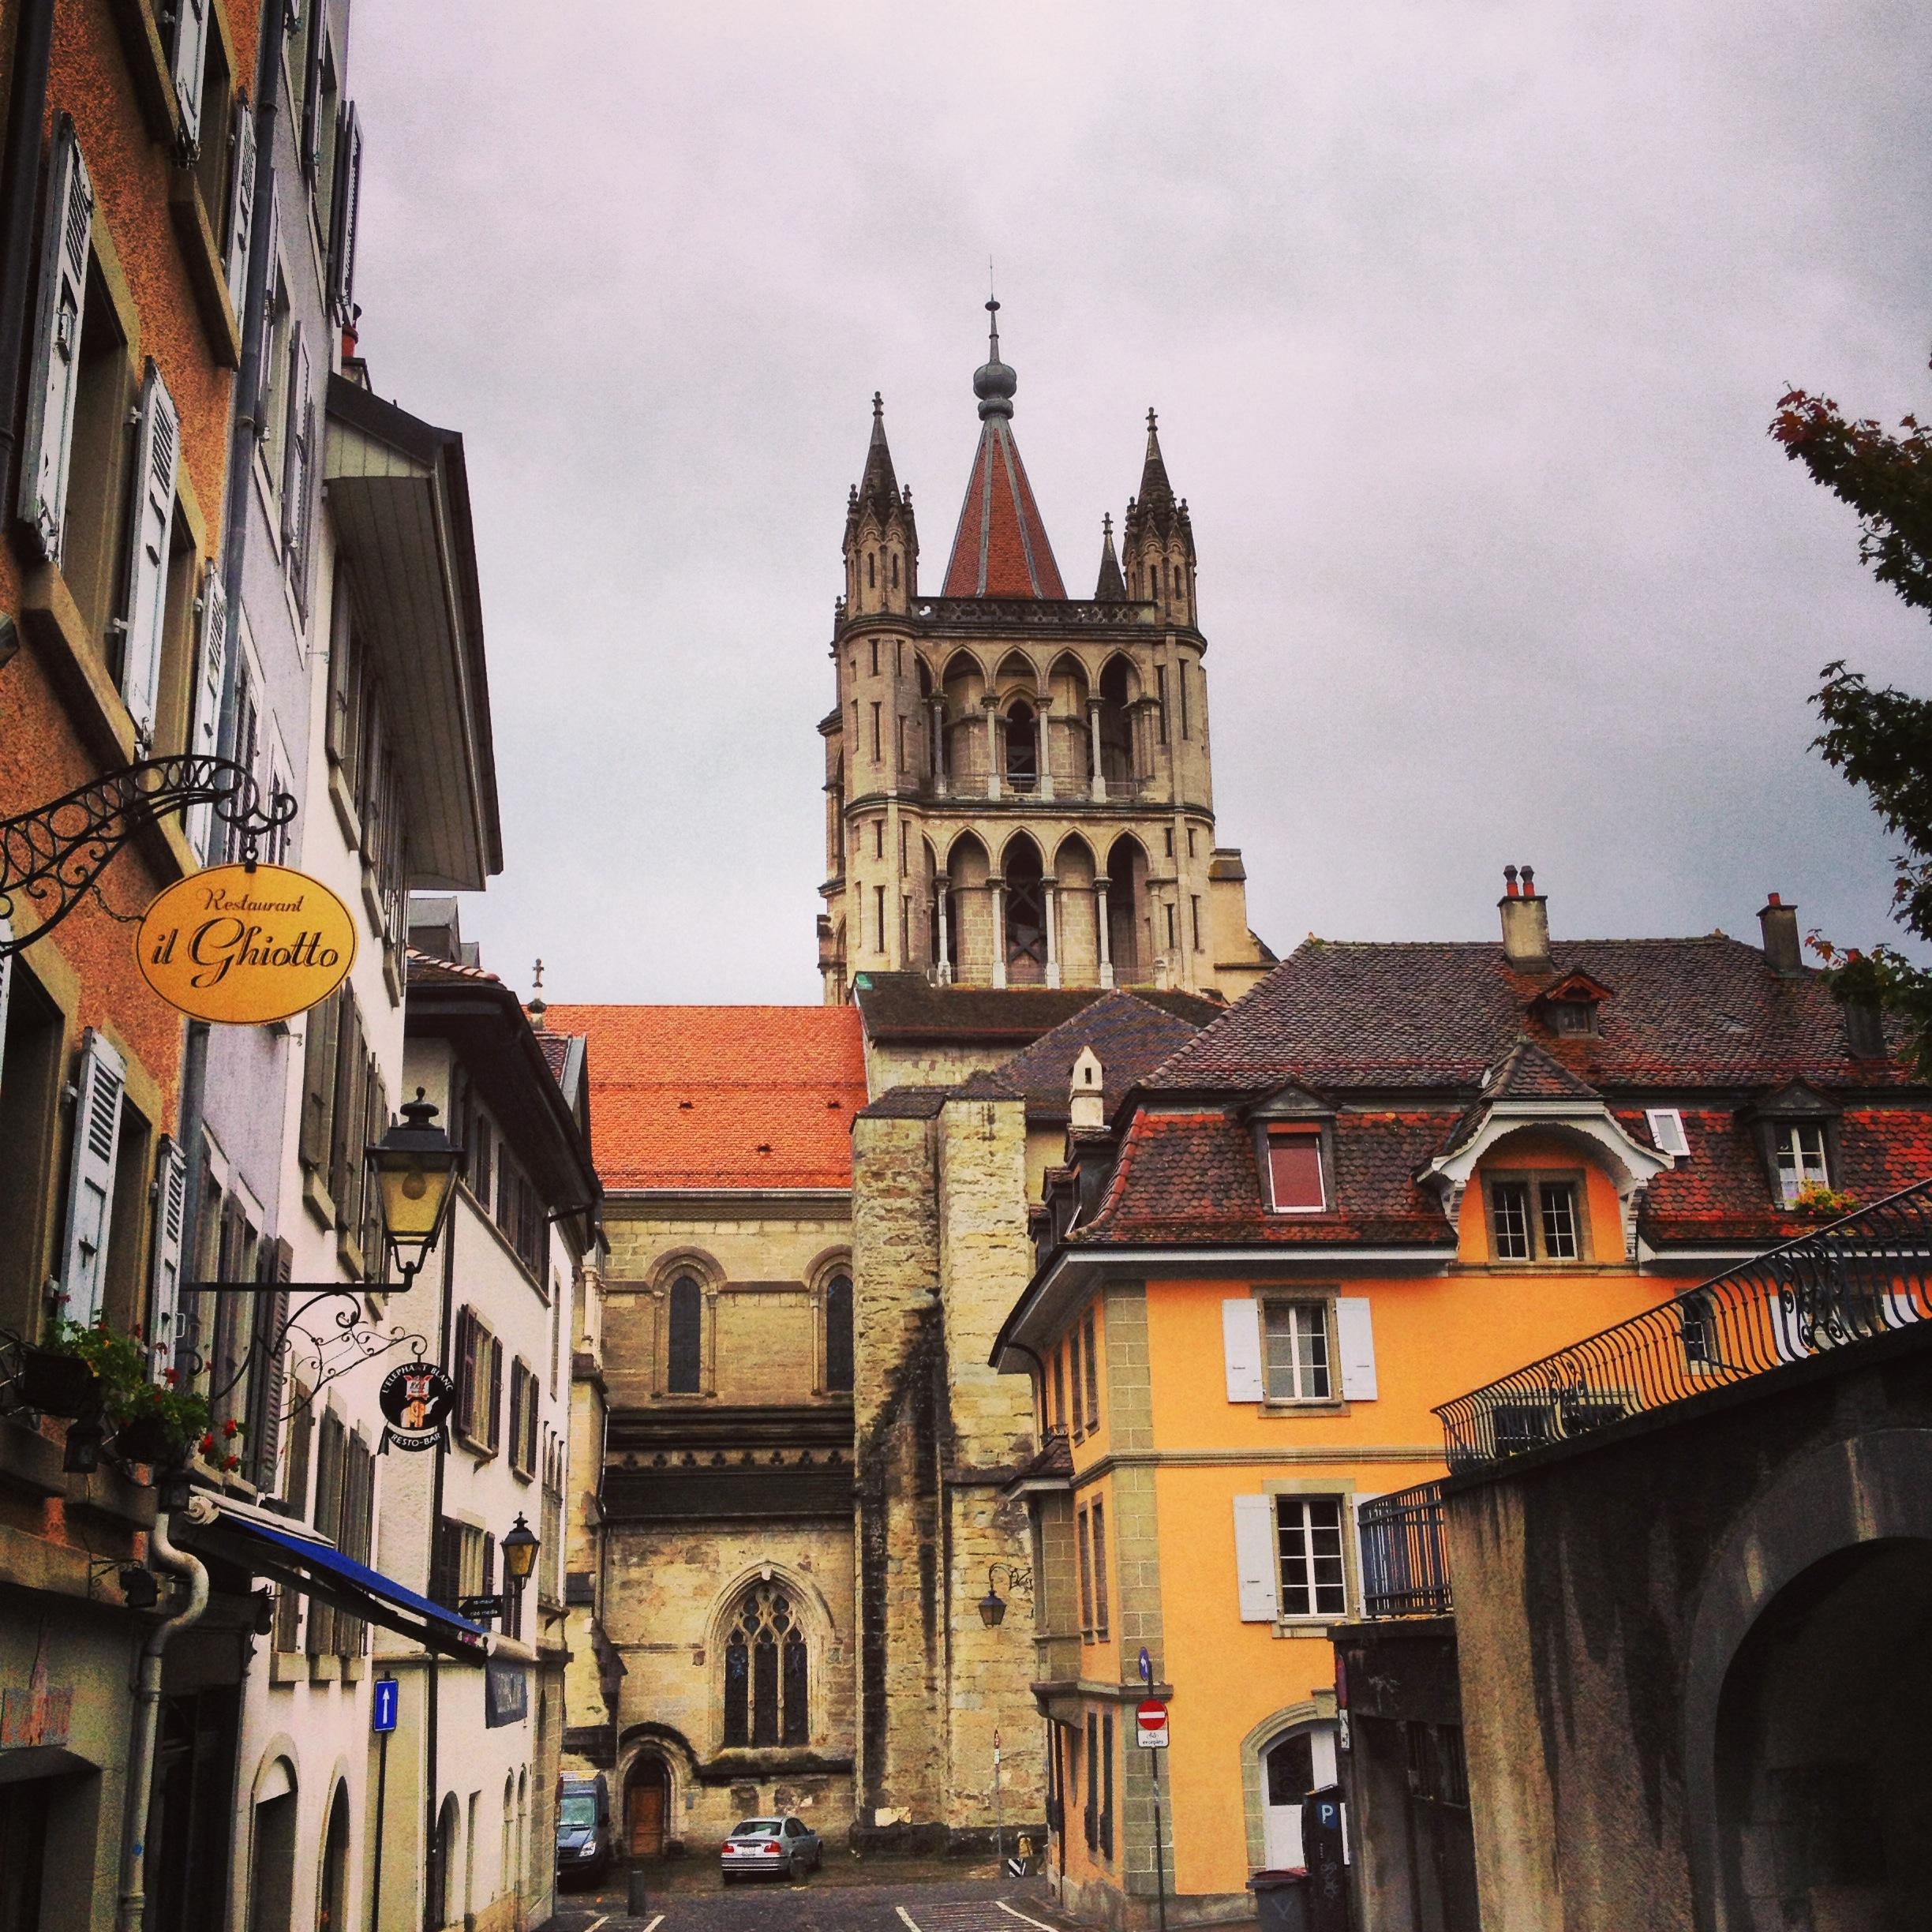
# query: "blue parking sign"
382 1712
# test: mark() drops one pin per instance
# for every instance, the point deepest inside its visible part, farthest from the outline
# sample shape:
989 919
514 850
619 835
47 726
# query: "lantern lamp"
415 1166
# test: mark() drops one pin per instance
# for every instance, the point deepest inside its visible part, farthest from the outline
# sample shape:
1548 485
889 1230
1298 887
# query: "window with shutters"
213 134
295 1493
278 342
345 206
130 1239
1092 1816
1085 1540
1097 1517
457 1568
479 1384
1106 1786
1092 1373
331 1450
522 1419
355 1536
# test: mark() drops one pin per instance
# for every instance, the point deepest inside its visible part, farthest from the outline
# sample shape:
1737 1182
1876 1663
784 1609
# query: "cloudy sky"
1464 320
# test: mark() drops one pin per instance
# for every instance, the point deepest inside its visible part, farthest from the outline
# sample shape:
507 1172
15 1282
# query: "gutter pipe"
132 1912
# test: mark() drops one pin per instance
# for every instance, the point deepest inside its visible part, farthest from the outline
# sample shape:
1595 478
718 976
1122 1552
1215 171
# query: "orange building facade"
1390 1174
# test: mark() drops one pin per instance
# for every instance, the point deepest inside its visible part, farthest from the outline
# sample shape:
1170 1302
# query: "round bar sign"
1151 1718
246 947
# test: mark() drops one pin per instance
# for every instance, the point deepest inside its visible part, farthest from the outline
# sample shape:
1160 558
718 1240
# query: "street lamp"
992 1605
416 1165
519 1552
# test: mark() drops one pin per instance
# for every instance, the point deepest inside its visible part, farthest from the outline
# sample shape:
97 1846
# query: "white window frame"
1804 1164
1308 1319
1287 1131
1532 1182
1666 1131
1300 1506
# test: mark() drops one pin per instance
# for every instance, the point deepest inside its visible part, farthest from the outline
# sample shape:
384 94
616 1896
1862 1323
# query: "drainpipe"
434 1876
20 178
133 1908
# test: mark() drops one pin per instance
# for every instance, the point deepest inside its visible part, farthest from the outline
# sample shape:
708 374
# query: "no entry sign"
1151 1717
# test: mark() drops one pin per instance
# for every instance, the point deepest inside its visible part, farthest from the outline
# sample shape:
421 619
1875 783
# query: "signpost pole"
1160 1856
999 1820
382 1796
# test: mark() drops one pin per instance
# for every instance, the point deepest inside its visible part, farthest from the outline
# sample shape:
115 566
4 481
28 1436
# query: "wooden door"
645 1804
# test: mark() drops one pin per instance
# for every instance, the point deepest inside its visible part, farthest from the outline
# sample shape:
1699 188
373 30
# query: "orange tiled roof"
721 1096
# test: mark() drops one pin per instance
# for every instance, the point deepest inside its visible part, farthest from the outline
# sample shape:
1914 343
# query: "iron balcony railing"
1404 1566
1863 1276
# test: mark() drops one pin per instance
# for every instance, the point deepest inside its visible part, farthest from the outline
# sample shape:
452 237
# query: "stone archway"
1823 1810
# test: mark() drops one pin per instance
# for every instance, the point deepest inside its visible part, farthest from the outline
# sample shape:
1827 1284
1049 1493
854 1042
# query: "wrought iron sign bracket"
320 1358
50 857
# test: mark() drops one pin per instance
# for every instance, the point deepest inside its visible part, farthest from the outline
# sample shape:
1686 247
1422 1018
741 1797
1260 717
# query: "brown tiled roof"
749 1097
1130 1034
426 969
907 1104
906 1006
1686 1012
1000 548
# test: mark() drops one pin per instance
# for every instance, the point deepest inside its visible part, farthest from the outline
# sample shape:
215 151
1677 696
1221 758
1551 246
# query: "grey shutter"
151 523
348 204
1256 1560
190 62
91 1178
265 1424
265 368
240 202
211 665
164 1290
312 99
295 447
1240 1348
54 381
1355 1344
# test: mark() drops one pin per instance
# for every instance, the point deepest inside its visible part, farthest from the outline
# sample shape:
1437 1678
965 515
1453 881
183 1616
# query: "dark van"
584 1846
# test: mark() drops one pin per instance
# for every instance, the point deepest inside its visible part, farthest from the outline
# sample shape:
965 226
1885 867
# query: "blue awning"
304 1562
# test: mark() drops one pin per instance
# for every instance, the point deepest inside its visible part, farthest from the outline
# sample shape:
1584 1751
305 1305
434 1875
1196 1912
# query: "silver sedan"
771 1847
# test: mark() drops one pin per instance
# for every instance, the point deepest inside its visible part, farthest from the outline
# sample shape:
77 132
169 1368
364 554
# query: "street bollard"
640 1898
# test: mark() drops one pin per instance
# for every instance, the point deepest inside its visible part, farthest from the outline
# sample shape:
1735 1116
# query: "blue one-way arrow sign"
382 1712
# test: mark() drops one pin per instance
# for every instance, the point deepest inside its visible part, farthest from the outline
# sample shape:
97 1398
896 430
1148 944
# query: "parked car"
771 1847
584 1848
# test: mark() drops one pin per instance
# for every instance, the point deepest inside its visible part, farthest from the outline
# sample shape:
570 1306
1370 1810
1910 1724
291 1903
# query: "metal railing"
1404 1566
1862 1276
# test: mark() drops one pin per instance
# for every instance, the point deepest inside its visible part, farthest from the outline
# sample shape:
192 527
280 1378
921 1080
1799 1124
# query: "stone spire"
1000 548
882 539
878 488
1112 588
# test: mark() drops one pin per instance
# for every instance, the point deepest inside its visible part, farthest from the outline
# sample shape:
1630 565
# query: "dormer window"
1534 1217
1295 1181
1666 1131
1802 1160
1570 1007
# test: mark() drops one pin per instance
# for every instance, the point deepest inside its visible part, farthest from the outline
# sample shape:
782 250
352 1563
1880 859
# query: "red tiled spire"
1001 548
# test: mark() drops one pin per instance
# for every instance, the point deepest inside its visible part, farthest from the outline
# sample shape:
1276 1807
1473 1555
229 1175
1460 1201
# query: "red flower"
231 1427
231 1463
171 1376
208 1444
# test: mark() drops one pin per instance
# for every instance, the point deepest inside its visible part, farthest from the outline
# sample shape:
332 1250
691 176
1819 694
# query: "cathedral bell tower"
1018 784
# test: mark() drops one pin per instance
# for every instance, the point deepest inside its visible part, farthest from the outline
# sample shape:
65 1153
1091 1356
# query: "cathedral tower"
1018 784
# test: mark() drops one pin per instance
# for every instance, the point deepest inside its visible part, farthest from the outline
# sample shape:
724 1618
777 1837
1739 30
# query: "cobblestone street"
897 1898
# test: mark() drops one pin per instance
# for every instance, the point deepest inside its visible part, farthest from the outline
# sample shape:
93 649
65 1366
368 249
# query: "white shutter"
1241 1346
348 203
151 525
1257 1559
190 61
91 1180
210 666
54 382
241 203
171 1213
1355 1344
295 442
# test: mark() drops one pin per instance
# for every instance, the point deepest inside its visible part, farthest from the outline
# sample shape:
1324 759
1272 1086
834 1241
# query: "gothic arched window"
684 1354
766 1700
838 1335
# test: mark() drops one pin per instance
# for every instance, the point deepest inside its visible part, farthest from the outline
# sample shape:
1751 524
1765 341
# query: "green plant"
1817 1202
132 1399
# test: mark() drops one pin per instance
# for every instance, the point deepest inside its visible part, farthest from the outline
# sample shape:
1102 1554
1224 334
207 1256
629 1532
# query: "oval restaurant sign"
246 947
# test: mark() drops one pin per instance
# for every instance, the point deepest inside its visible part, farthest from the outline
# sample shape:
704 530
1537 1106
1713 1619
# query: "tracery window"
765 1695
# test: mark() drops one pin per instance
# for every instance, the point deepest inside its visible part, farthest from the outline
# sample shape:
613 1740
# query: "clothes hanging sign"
245 946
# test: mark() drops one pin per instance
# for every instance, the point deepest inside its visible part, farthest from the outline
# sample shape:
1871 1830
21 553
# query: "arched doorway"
271 1862
1823 1812
647 1806
442 1861
332 1912
1297 1762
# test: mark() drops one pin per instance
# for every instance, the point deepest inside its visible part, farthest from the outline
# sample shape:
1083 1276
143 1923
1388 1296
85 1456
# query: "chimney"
1526 922
1778 923
1085 1106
